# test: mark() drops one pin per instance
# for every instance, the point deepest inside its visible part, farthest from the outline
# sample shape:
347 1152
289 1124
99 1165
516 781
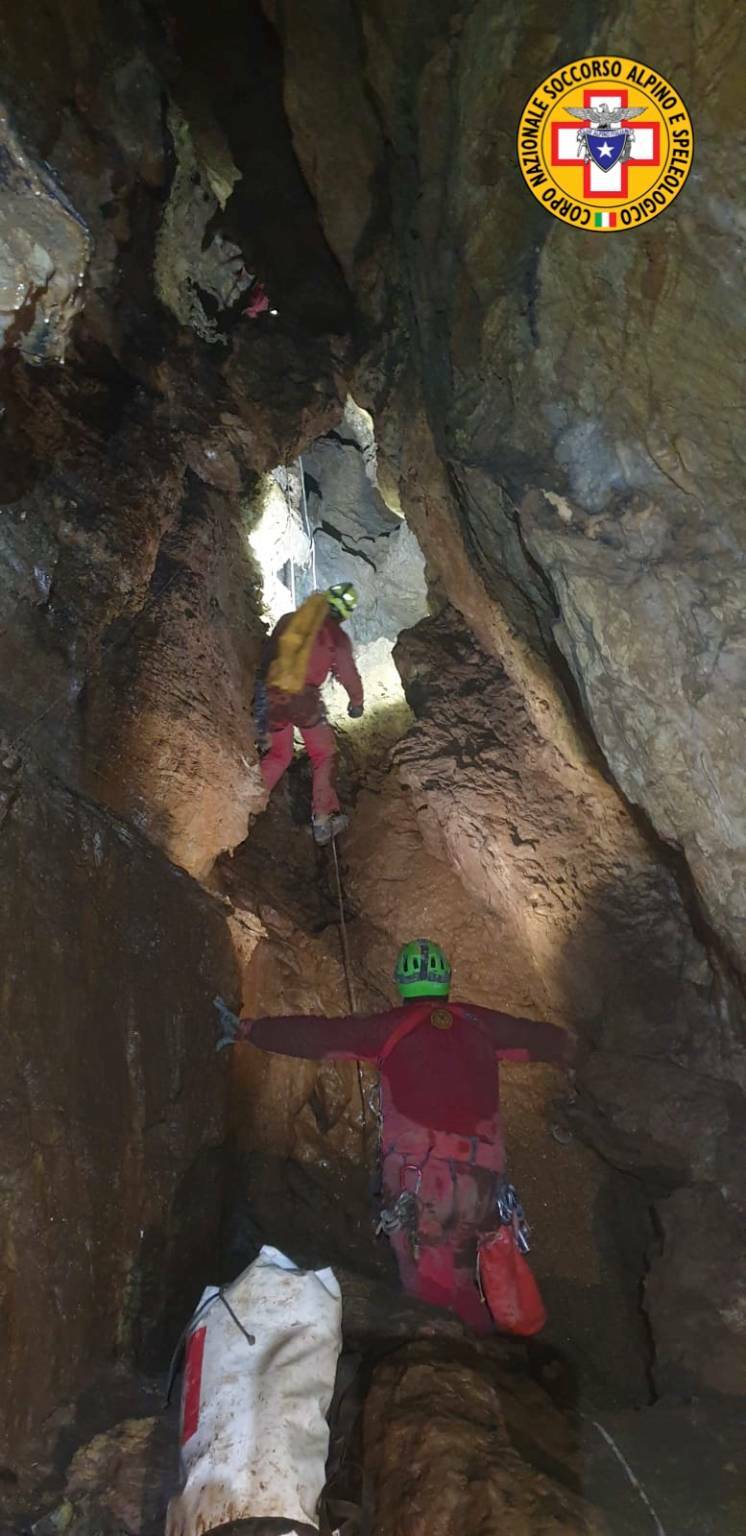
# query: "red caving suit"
331 654
441 1137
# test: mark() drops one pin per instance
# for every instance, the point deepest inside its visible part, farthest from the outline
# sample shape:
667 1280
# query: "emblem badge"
605 144
441 1018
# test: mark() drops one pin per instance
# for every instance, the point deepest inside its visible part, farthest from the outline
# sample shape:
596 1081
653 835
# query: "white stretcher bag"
254 1436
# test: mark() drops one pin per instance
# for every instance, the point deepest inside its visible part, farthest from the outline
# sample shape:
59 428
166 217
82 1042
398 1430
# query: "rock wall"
421 1465
112 1097
609 506
131 623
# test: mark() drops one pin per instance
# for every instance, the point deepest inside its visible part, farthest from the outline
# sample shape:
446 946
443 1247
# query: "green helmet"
422 970
342 598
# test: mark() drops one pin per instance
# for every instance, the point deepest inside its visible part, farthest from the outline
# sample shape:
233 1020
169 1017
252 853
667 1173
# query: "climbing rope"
310 534
350 988
289 510
343 930
635 1482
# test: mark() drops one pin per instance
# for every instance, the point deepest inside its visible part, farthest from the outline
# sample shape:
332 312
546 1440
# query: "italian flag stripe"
604 220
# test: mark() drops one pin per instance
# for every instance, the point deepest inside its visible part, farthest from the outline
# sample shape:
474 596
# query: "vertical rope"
343 930
310 534
350 989
289 508
636 1484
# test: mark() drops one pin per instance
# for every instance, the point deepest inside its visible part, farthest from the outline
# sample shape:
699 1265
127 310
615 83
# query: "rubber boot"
327 827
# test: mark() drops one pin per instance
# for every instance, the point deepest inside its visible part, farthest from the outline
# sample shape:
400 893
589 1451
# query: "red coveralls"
441 1136
331 653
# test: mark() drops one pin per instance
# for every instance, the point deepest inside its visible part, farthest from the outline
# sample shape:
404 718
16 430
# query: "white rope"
310 535
289 530
659 1531
343 931
350 988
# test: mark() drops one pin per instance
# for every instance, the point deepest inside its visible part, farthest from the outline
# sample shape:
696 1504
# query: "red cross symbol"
599 184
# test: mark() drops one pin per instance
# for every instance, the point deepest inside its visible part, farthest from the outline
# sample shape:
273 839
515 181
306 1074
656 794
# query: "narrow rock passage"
403 878
406 864
524 442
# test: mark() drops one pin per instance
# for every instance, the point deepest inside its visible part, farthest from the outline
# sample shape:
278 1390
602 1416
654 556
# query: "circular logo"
441 1018
605 144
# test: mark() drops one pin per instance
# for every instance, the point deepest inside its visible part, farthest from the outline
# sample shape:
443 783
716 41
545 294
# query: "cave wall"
584 528
582 394
147 172
132 438
112 1098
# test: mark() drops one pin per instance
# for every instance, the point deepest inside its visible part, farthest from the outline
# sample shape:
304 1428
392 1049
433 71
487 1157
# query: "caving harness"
403 1215
510 1213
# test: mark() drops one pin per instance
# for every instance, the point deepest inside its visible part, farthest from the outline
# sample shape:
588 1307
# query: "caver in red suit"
441 1133
330 655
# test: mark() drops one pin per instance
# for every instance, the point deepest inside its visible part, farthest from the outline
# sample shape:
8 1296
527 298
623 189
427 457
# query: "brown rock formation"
608 510
440 1457
112 1102
132 624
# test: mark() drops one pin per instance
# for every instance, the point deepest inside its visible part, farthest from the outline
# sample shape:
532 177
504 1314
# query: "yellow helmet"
342 598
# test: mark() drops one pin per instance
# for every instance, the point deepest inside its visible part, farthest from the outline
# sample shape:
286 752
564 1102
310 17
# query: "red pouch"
508 1286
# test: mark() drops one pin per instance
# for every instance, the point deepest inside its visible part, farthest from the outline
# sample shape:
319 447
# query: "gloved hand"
230 1024
354 711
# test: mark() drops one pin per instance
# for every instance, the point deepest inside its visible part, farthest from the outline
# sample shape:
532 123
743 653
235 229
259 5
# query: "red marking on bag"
195 1352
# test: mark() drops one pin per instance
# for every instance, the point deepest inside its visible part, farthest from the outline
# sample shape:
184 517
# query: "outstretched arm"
319 1039
344 669
525 1039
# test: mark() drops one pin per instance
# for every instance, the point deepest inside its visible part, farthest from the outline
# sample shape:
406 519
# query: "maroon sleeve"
525 1039
343 666
319 1039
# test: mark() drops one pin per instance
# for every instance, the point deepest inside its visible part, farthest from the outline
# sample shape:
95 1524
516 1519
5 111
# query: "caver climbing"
304 649
441 1141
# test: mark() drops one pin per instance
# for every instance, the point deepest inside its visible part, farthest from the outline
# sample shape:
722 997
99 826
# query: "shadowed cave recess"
523 447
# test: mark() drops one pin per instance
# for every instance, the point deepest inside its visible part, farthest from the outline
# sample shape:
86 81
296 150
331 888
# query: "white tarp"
254 1437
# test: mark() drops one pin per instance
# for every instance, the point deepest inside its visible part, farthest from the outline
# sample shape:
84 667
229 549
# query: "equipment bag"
507 1284
261 1358
295 643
